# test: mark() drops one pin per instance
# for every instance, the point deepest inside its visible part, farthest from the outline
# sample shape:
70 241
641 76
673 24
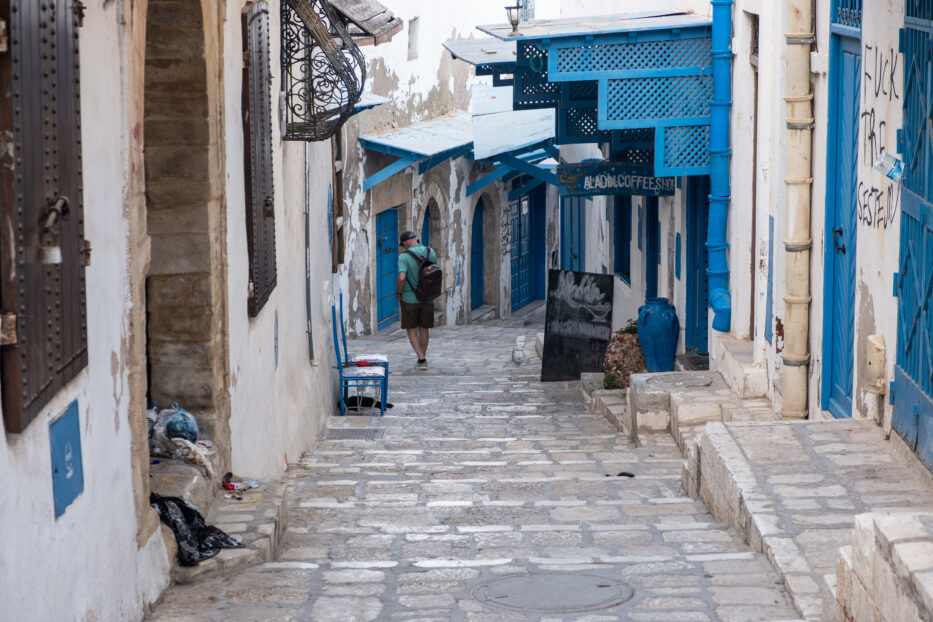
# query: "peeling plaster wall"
423 88
758 190
87 564
279 397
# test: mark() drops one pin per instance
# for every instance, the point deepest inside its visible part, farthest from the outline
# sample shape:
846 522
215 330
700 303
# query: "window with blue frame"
622 237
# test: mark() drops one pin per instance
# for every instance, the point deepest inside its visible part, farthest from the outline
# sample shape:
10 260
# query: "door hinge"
896 295
87 253
79 12
8 335
891 393
4 37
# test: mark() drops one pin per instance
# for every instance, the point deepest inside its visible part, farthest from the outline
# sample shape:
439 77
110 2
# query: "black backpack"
430 278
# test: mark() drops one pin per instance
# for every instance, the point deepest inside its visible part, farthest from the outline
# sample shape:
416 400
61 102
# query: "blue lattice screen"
643 102
611 58
659 80
532 89
849 12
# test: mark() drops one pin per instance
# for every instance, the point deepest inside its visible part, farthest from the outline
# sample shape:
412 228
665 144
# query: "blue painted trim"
396 167
648 32
525 189
845 31
528 168
677 257
440 158
720 155
641 213
552 151
389 150
500 172
616 74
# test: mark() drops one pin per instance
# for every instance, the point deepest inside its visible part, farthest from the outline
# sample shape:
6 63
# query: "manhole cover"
688 381
552 592
349 434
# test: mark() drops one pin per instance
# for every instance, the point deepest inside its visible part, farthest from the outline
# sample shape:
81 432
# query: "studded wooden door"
43 288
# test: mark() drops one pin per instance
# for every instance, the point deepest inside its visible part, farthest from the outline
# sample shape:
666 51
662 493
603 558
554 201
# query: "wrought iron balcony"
323 70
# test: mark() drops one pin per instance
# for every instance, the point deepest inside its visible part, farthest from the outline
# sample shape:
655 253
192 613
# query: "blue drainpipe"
720 155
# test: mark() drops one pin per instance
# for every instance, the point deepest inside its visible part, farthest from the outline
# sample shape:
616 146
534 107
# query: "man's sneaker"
422 364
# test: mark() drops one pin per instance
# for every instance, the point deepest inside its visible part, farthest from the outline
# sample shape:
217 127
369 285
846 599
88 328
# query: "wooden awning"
374 23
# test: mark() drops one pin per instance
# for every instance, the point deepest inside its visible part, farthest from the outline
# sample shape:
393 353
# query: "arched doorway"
477 258
185 295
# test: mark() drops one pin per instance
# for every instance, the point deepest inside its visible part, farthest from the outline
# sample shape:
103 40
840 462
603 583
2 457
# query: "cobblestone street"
478 473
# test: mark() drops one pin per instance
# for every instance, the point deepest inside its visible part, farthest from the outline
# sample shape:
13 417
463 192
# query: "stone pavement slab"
793 490
478 481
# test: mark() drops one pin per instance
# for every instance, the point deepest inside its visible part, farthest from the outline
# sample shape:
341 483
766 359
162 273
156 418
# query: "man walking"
417 316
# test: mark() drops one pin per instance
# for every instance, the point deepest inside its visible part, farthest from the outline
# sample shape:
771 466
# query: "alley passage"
481 472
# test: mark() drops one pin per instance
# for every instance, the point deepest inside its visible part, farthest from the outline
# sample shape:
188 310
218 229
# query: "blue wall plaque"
67 468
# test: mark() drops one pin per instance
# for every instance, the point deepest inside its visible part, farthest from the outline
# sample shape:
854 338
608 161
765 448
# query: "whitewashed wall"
279 397
86 565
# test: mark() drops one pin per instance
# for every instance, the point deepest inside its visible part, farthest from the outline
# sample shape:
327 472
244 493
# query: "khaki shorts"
417 315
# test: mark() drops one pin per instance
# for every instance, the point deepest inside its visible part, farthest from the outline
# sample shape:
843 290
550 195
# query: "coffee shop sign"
598 178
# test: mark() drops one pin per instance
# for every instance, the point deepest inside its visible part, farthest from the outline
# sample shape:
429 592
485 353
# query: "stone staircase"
257 520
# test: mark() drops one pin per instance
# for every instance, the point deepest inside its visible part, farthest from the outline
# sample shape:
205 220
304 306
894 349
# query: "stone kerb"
886 574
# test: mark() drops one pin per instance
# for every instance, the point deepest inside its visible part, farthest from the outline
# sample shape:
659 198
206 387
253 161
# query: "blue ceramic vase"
658 331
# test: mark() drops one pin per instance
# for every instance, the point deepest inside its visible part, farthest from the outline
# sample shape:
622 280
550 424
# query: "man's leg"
414 338
423 341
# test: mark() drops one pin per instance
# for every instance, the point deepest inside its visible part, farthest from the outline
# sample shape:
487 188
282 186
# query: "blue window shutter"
622 237
677 257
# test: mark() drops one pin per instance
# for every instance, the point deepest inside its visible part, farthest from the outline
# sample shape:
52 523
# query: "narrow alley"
487 495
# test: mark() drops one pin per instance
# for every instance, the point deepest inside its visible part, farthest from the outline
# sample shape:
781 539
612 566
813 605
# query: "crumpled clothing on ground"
197 541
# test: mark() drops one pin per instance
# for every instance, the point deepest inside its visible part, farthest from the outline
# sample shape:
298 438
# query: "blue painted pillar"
720 155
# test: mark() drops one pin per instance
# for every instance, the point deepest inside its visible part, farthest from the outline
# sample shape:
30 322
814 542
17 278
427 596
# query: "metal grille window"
43 287
848 13
257 128
323 70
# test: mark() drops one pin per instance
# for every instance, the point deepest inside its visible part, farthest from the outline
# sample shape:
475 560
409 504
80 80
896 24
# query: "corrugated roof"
425 139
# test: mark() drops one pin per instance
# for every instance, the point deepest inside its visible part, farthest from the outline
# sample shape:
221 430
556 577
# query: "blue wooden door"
912 390
522 253
652 247
426 229
697 327
573 234
839 332
477 259
386 267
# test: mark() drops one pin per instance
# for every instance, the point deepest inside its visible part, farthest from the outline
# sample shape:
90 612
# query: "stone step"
652 400
735 360
258 521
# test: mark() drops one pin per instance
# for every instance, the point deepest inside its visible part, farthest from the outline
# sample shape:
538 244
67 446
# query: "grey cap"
407 235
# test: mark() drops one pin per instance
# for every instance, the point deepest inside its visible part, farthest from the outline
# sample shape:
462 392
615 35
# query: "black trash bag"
196 540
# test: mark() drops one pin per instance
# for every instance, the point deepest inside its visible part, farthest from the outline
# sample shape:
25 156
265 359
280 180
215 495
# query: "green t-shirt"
408 266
